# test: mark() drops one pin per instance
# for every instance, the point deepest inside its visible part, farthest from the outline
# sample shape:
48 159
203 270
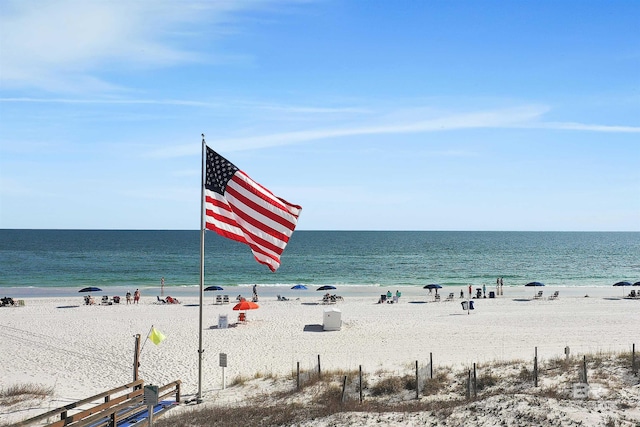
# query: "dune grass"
322 395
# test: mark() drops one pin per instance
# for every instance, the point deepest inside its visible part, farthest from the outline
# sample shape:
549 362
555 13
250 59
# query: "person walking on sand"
484 290
136 296
255 293
128 297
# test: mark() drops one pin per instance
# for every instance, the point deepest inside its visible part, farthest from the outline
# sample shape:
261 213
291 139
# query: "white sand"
83 350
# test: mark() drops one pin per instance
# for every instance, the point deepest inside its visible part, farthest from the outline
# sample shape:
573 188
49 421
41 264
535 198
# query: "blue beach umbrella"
214 288
326 288
535 284
432 286
622 284
90 289
636 284
299 287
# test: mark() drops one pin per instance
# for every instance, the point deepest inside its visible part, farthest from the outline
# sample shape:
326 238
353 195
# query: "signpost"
223 364
150 398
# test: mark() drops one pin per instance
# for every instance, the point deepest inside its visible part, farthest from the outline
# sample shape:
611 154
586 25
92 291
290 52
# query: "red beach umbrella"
246 305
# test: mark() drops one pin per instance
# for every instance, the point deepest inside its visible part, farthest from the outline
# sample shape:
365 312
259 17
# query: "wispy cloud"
70 45
587 127
527 117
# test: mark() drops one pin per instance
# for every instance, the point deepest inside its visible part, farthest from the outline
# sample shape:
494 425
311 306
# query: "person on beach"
128 297
470 291
136 296
461 293
255 293
398 294
484 290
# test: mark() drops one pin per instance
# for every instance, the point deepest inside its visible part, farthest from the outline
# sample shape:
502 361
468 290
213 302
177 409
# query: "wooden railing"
106 409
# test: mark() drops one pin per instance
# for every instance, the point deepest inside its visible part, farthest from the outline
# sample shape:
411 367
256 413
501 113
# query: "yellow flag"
156 336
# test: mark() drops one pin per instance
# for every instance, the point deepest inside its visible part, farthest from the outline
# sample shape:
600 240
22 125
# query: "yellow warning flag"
156 336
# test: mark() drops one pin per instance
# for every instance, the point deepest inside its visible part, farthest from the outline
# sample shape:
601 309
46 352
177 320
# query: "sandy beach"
82 350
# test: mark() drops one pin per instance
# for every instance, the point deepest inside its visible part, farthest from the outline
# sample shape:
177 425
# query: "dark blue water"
77 258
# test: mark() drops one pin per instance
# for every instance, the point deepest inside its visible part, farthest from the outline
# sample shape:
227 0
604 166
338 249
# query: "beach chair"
555 295
160 300
105 300
218 299
436 298
242 317
450 297
225 299
538 295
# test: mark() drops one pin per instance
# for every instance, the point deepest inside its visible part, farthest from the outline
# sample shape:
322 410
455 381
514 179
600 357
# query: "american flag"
240 209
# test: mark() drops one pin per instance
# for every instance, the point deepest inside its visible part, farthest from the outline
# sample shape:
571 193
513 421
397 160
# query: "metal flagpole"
202 228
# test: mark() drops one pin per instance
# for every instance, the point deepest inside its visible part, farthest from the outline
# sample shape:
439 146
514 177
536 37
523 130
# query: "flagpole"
202 229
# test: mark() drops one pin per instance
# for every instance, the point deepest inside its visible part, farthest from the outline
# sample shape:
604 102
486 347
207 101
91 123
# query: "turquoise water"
42 259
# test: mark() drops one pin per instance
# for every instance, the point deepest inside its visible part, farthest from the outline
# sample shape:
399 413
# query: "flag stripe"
230 225
240 209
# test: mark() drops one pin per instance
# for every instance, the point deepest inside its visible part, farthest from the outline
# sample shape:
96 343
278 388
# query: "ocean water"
46 259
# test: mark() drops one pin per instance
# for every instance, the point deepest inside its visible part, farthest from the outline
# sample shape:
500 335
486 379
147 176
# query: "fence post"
344 389
475 382
319 370
360 383
136 359
430 365
417 382
535 368
634 367
584 369
298 376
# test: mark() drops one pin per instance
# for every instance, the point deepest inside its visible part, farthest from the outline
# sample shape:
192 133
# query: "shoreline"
272 290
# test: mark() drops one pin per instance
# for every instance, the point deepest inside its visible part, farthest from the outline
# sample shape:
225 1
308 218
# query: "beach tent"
332 320
326 288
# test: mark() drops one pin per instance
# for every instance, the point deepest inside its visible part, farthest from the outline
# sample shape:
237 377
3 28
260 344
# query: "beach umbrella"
90 289
622 284
326 288
535 284
299 287
636 284
245 305
432 286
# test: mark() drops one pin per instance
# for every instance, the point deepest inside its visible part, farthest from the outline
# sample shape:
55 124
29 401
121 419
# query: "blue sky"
372 115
